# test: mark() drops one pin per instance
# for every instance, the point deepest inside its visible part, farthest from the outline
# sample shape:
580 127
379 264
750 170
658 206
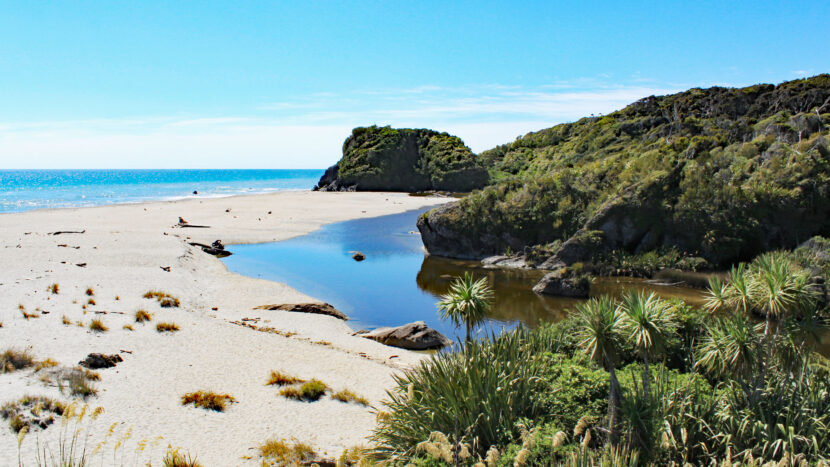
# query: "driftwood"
60 232
313 308
216 248
183 223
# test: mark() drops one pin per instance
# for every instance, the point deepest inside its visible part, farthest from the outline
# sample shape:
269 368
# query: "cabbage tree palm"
647 323
467 302
732 347
598 333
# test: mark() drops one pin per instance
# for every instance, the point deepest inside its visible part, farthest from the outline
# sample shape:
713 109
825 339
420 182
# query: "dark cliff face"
388 159
719 173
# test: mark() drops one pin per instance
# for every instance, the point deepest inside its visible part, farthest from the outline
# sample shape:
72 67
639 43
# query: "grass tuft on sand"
309 392
282 452
208 400
31 411
167 327
142 316
54 288
97 325
279 378
13 360
347 396
165 299
174 458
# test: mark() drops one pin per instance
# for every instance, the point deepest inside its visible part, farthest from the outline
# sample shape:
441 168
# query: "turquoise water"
23 190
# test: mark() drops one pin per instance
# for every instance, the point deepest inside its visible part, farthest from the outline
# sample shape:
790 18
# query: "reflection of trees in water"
515 301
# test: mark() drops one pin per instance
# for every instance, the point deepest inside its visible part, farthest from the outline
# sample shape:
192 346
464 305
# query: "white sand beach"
121 255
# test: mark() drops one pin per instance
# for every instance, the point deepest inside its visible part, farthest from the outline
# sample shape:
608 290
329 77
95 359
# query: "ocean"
24 190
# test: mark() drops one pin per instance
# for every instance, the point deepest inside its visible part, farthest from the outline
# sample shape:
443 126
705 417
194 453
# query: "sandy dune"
124 249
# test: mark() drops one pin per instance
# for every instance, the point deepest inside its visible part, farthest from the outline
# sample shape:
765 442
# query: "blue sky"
280 84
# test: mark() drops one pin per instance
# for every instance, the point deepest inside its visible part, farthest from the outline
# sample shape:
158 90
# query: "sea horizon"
31 189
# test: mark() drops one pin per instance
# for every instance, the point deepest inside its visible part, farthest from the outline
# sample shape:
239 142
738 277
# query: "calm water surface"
397 283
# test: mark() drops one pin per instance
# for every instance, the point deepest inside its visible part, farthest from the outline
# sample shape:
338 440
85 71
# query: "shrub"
142 316
281 379
167 327
13 360
477 393
310 391
346 395
282 452
208 400
98 326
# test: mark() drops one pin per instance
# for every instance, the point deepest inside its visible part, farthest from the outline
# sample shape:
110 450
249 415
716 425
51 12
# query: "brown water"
514 299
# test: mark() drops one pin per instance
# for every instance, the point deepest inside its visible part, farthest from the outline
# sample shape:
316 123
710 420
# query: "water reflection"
397 283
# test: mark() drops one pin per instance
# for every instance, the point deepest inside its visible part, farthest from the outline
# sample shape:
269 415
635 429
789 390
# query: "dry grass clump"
128 327
208 400
48 363
167 327
79 382
91 301
174 458
13 360
165 299
117 297
65 320
54 288
31 411
356 456
169 302
279 378
98 326
89 291
348 396
142 316
282 452
309 392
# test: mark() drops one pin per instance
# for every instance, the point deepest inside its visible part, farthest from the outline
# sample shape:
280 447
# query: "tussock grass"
282 452
128 327
13 360
165 299
309 392
208 400
91 301
98 326
117 297
31 411
54 288
169 302
279 378
142 316
89 291
167 327
347 396
65 320
79 382
48 363
174 458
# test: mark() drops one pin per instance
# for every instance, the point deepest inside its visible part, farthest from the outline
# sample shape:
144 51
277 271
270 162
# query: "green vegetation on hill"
389 159
718 173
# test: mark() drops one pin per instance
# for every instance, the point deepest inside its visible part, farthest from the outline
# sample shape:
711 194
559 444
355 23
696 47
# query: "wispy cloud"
307 131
